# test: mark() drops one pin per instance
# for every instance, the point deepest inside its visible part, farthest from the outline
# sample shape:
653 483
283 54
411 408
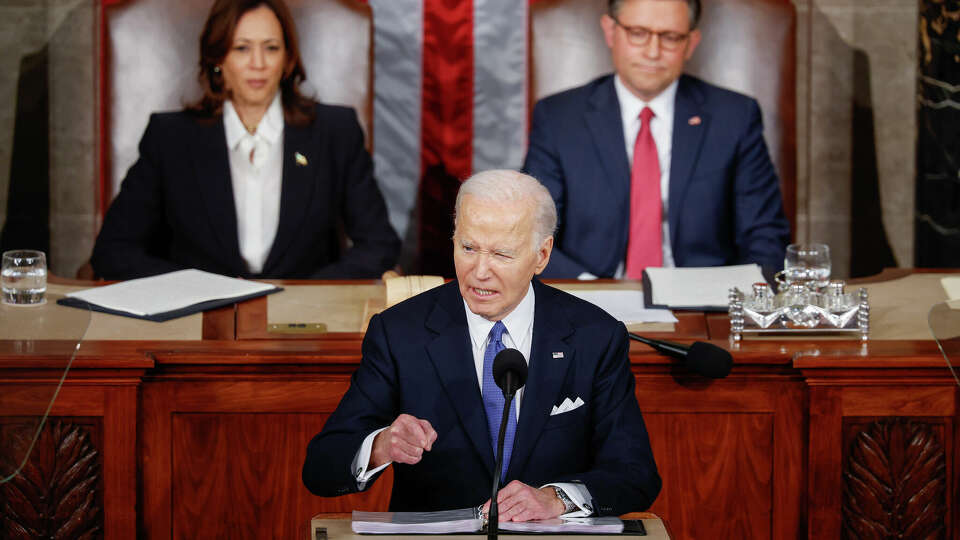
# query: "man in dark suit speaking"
650 167
576 441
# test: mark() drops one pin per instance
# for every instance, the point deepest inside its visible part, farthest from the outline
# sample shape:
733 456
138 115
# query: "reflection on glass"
944 322
43 338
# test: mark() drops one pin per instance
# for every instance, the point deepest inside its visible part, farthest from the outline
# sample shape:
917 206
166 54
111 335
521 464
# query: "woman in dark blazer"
254 180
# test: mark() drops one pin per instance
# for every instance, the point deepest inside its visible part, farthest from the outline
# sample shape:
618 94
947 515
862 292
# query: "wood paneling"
845 408
207 438
232 451
703 458
244 481
102 398
825 451
119 453
902 400
59 492
742 435
894 479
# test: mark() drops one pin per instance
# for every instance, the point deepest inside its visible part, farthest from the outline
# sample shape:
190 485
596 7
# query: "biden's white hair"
507 186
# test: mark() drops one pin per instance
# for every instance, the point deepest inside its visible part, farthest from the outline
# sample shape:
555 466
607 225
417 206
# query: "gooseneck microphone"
509 371
700 357
510 374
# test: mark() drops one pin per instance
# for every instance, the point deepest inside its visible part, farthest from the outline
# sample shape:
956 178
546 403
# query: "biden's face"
650 41
254 66
494 254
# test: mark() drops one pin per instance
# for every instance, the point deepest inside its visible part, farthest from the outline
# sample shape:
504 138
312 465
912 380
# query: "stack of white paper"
560 525
700 287
626 306
167 293
951 286
466 520
462 520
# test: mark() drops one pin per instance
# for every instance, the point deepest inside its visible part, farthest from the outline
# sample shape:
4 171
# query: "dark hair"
613 7
215 43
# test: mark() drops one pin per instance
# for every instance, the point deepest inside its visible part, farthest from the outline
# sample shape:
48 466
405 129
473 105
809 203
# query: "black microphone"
702 358
510 374
509 371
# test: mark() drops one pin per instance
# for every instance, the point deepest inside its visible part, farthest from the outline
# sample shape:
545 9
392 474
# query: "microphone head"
510 361
709 360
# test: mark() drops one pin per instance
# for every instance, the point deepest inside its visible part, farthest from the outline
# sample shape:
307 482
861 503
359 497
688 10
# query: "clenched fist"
403 442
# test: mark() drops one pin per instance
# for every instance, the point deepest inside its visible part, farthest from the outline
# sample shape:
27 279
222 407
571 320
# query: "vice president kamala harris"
254 180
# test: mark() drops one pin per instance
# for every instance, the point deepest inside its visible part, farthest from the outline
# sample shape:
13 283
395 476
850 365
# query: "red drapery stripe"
104 187
447 98
446 128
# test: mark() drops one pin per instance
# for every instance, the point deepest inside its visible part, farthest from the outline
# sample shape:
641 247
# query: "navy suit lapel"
550 358
687 142
296 189
212 164
606 127
452 357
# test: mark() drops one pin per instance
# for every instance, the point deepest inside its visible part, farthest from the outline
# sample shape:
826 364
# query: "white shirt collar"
518 322
631 105
270 127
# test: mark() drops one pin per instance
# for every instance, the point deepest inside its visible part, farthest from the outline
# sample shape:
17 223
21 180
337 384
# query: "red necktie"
644 245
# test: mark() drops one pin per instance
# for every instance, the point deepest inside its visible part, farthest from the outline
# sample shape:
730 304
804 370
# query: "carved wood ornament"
894 482
57 494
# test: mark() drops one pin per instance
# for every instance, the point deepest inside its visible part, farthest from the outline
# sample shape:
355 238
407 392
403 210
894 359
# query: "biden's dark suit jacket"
417 360
725 205
176 208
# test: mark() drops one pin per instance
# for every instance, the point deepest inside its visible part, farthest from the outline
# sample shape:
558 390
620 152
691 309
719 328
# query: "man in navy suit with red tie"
651 167
423 398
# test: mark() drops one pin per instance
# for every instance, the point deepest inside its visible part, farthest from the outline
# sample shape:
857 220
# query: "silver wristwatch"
568 505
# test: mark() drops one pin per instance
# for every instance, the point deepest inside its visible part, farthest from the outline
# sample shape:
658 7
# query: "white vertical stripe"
500 83
397 76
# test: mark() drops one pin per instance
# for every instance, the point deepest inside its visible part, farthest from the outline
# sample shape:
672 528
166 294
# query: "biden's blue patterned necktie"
493 400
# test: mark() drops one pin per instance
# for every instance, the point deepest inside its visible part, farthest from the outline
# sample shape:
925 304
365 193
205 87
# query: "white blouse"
256 171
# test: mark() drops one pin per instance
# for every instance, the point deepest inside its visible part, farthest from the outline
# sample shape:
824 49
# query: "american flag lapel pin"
558 355
694 121
300 159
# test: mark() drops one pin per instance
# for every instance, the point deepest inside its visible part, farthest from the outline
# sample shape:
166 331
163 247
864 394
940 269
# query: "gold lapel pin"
694 121
300 158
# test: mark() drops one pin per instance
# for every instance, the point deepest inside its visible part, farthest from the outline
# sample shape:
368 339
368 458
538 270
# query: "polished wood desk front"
205 438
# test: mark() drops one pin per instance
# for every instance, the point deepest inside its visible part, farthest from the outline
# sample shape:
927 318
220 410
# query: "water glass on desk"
808 264
23 277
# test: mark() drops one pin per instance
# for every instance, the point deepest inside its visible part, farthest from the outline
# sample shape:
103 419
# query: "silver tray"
798 318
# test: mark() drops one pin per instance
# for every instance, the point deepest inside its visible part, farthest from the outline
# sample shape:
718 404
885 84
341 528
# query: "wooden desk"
205 438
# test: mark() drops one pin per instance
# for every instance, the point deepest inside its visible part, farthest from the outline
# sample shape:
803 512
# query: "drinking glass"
23 277
808 264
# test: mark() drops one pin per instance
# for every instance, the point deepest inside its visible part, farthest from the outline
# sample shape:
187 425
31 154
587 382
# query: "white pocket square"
566 406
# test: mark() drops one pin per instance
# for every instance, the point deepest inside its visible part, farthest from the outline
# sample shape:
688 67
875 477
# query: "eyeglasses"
640 35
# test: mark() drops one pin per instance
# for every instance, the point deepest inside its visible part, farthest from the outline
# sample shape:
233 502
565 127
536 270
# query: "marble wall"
856 132
856 124
67 28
